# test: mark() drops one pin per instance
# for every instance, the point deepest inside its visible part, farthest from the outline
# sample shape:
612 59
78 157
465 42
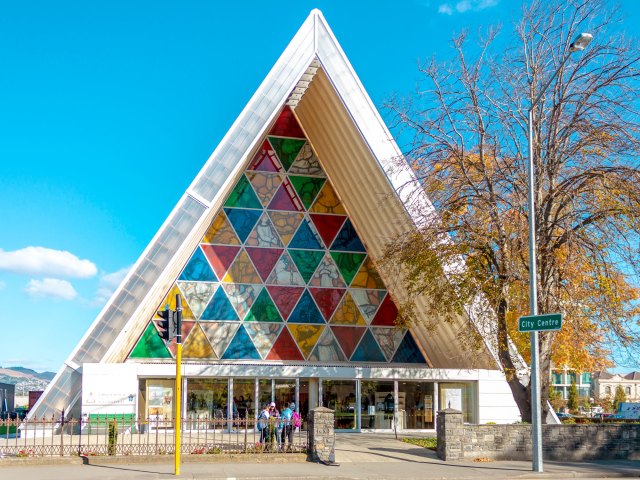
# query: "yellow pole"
178 407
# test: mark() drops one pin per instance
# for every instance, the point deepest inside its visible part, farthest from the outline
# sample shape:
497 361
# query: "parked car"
600 416
562 415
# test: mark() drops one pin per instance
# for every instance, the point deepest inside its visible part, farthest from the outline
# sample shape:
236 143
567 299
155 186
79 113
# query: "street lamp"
578 45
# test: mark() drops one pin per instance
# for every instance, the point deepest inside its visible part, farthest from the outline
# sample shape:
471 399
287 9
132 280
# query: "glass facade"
340 396
377 404
459 396
207 398
418 411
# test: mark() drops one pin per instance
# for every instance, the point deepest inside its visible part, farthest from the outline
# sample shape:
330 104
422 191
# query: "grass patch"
429 442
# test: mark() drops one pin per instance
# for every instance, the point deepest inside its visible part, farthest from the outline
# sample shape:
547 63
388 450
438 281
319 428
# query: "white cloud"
51 287
464 6
108 284
46 261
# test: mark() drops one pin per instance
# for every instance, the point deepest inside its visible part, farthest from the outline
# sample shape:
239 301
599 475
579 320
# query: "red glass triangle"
286 198
287 125
285 348
264 259
348 338
327 299
327 225
186 328
285 298
265 160
220 257
387 313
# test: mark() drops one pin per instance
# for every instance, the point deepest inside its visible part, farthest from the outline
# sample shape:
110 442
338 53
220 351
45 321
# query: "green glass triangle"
263 309
348 264
307 261
243 195
150 345
307 188
287 149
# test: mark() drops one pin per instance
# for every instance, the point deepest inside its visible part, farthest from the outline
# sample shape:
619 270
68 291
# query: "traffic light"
168 324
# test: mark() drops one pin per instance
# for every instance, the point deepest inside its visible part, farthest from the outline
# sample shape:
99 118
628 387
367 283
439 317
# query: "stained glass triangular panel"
243 220
185 330
286 125
387 313
265 185
327 299
347 313
348 337
327 349
307 188
286 223
150 345
263 310
408 351
243 196
347 239
388 338
197 346
220 257
264 234
241 347
306 336
285 348
307 261
368 301
306 311
221 232
327 274
220 334
287 149
170 300
368 350
219 308
265 159
241 296
263 335
264 259
285 298
306 237
285 273
368 277
328 202
286 199
327 225
242 271
306 163
197 295
348 263
198 269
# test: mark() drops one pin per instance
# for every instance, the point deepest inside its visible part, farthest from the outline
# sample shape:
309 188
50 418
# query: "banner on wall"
109 389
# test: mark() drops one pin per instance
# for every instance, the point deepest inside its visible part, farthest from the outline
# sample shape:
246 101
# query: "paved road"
361 456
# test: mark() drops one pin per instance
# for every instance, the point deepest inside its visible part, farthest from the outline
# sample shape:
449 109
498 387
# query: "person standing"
287 425
262 423
274 424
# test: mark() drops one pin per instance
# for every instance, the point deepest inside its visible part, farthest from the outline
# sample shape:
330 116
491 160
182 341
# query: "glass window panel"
376 404
327 274
367 277
285 393
285 348
197 295
160 401
198 269
265 391
265 185
307 261
207 398
307 188
368 301
459 396
265 159
285 298
243 220
287 149
306 237
408 351
417 412
220 334
348 337
340 396
150 345
264 234
242 271
347 239
348 264
285 223
285 273
327 299
348 313
328 202
327 349
306 311
221 232
243 392
219 308
196 345
286 199
306 336
263 335
306 163
220 257
327 225
368 350
263 310
241 347
243 195
264 259
241 296
286 125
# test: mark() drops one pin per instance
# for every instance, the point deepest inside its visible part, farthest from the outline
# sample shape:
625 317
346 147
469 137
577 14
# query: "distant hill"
25 379
43 375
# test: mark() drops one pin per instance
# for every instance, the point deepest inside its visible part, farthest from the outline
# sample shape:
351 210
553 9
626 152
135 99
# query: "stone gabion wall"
322 435
457 441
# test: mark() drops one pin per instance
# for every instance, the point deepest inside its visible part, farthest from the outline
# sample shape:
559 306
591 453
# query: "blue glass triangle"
243 220
306 311
408 351
368 350
305 237
219 308
347 239
241 347
198 269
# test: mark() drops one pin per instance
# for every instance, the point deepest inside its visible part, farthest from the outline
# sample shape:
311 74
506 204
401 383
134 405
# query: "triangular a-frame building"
274 248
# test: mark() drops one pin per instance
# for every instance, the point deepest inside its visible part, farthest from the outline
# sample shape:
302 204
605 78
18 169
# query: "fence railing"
126 435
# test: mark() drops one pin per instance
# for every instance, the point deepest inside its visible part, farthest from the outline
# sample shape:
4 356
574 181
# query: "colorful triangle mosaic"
281 273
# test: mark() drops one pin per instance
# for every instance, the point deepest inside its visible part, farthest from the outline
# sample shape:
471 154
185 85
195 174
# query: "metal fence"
120 435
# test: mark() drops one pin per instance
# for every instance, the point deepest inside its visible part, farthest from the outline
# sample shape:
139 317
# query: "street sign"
532 323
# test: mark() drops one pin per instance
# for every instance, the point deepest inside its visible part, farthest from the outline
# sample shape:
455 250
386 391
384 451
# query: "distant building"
7 397
605 384
34 395
561 381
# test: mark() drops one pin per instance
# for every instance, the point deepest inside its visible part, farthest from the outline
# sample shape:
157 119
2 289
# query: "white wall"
495 398
109 388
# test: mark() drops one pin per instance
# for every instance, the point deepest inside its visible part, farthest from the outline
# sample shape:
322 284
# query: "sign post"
178 428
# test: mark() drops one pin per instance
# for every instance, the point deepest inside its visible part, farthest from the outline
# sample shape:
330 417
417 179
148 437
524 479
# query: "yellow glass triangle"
221 232
306 336
170 300
347 313
367 277
286 223
328 201
242 271
197 346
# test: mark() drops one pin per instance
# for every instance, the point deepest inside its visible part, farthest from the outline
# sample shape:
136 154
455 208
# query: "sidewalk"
361 456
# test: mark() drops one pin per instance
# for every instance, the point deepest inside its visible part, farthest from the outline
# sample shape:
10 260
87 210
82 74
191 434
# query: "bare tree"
468 147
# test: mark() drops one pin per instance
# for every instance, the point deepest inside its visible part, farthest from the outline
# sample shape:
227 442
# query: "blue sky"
108 110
